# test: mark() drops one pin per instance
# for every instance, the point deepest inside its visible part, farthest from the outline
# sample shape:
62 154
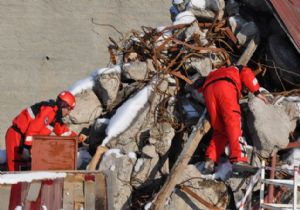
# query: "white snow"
197 4
148 206
117 152
29 177
82 85
186 17
138 165
2 156
132 155
223 171
102 121
88 82
126 114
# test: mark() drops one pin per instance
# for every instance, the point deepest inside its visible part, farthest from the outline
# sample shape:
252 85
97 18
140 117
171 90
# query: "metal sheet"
288 12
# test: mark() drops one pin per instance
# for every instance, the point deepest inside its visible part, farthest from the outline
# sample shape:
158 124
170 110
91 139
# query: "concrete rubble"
142 104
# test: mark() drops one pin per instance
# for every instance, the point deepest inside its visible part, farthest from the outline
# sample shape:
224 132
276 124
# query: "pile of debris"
141 109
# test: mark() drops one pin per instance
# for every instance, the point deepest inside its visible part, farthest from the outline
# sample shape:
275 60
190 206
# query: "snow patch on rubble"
148 206
102 121
126 114
29 177
82 85
198 4
110 152
132 155
89 82
138 165
186 17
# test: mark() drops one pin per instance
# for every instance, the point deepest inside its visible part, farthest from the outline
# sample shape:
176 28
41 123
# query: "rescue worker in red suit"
222 90
42 118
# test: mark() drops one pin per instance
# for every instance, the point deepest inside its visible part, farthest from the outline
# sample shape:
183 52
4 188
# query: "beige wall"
47 45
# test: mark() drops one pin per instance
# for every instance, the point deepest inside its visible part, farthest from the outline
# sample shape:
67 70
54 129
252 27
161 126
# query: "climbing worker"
43 118
177 7
222 90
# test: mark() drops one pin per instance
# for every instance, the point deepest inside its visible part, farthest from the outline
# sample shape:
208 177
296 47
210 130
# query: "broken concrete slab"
135 70
87 109
107 86
212 191
269 127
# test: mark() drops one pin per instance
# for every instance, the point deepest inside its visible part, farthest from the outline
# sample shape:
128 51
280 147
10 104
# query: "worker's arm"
248 79
40 124
61 129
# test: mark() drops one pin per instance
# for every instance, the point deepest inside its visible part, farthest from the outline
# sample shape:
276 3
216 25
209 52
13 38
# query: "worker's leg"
12 141
231 114
218 141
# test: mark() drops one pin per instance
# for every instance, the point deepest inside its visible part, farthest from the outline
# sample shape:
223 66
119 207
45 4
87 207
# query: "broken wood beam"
197 197
247 54
195 137
96 158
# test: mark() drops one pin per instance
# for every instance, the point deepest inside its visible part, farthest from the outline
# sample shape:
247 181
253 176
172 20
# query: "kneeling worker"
42 118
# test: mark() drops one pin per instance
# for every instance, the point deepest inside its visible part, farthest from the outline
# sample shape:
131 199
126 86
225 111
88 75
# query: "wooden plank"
195 137
89 195
96 158
68 197
198 198
73 192
52 194
101 192
247 54
4 195
34 191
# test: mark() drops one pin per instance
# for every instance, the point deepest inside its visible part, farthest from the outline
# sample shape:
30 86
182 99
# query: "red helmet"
68 98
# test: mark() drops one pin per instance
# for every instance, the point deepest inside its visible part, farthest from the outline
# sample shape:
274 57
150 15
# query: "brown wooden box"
54 153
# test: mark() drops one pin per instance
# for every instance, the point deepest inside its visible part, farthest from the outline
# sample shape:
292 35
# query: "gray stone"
202 65
269 126
163 133
135 70
87 109
118 168
212 191
146 168
207 10
107 87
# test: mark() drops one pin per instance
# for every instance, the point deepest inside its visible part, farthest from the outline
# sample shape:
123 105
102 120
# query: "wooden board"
4 195
54 153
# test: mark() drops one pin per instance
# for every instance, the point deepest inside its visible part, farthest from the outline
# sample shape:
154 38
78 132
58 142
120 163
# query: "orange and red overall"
40 119
222 90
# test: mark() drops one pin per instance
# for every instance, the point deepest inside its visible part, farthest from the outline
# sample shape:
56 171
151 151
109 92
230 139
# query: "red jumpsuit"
222 90
39 119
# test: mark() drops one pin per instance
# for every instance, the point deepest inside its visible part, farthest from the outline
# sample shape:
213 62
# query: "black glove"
198 83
